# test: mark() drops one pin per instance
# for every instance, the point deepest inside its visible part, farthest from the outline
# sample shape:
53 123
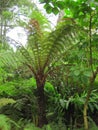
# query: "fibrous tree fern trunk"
42 120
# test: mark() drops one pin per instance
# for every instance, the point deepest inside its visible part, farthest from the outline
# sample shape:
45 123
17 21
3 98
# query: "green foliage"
60 56
83 7
53 6
30 127
42 51
5 101
4 123
7 15
42 20
49 87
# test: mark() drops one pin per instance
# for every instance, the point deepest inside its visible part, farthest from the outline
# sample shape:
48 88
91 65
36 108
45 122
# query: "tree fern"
42 51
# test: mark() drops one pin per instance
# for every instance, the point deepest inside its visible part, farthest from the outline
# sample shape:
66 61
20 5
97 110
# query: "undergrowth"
7 124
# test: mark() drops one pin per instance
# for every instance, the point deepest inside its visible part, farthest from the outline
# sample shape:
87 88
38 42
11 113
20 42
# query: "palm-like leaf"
44 50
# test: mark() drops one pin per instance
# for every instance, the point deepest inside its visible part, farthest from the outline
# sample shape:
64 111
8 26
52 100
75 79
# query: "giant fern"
44 50
41 52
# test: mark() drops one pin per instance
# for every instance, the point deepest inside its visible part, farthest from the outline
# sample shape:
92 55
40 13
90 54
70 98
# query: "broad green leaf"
60 4
48 8
76 72
62 103
87 73
55 10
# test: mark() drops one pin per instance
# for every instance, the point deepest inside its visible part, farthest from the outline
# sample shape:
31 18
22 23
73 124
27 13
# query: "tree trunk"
92 79
85 117
42 120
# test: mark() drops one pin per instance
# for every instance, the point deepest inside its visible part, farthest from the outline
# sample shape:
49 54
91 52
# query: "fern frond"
59 42
5 101
45 50
8 58
42 51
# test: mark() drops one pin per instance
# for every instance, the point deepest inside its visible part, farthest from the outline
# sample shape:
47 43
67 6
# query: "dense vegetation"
50 82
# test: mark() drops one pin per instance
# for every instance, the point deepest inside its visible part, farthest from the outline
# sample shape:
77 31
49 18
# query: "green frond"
59 42
44 50
4 122
10 59
5 101
43 22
